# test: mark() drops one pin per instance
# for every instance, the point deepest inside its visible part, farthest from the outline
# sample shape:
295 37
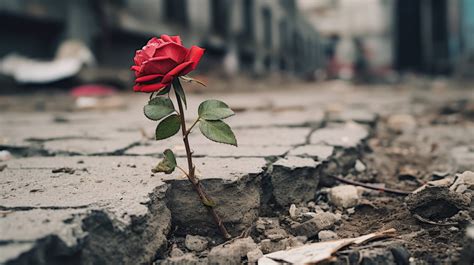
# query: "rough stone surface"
234 184
74 214
437 201
319 152
464 157
326 235
310 228
254 255
232 253
344 196
195 243
346 135
294 180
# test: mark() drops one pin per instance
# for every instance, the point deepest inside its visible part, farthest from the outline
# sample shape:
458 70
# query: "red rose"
161 61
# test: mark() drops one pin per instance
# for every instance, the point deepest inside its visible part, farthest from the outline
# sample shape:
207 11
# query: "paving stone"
319 152
294 180
66 213
270 136
353 114
345 135
277 118
210 150
114 195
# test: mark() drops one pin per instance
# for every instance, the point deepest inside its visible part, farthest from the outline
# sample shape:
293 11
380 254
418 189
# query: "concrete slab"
346 135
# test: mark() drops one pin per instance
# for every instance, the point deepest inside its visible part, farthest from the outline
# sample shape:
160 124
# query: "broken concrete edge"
95 237
105 234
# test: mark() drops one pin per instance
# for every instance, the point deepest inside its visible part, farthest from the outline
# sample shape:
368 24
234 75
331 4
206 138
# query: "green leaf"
214 110
158 108
179 91
217 131
168 164
168 127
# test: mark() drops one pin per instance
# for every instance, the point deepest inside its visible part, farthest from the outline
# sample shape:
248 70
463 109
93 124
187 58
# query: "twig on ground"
372 187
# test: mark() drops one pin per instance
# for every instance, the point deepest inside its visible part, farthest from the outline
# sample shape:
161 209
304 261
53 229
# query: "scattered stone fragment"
195 243
268 246
464 182
359 166
275 234
344 196
401 123
231 253
292 211
326 235
310 228
254 255
266 223
176 252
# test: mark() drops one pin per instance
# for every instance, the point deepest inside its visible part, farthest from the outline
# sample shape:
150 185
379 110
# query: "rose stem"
192 177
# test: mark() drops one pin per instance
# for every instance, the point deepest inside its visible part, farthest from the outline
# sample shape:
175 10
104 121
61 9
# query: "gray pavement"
85 191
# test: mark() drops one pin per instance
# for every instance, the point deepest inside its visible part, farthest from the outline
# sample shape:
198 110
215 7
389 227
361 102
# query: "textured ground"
78 187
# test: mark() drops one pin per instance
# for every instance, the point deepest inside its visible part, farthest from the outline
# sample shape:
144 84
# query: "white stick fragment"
320 251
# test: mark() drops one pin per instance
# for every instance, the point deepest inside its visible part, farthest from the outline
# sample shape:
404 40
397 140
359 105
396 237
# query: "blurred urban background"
72 42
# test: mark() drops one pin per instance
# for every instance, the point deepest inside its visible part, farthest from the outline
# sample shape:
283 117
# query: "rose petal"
177 39
177 71
153 40
166 38
158 65
140 57
148 78
149 88
171 50
194 55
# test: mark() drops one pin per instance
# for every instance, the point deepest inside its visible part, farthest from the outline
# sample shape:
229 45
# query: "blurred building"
252 36
435 36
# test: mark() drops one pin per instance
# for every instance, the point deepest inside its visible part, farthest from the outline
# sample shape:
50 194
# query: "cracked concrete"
108 208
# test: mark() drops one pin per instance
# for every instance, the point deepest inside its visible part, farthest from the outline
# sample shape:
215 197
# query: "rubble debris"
231 253
442 199
310 228
344 196
195 243
359 166
268 245
320 251
325 235
254 255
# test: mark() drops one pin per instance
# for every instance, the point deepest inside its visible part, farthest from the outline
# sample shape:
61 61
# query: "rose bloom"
161 61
